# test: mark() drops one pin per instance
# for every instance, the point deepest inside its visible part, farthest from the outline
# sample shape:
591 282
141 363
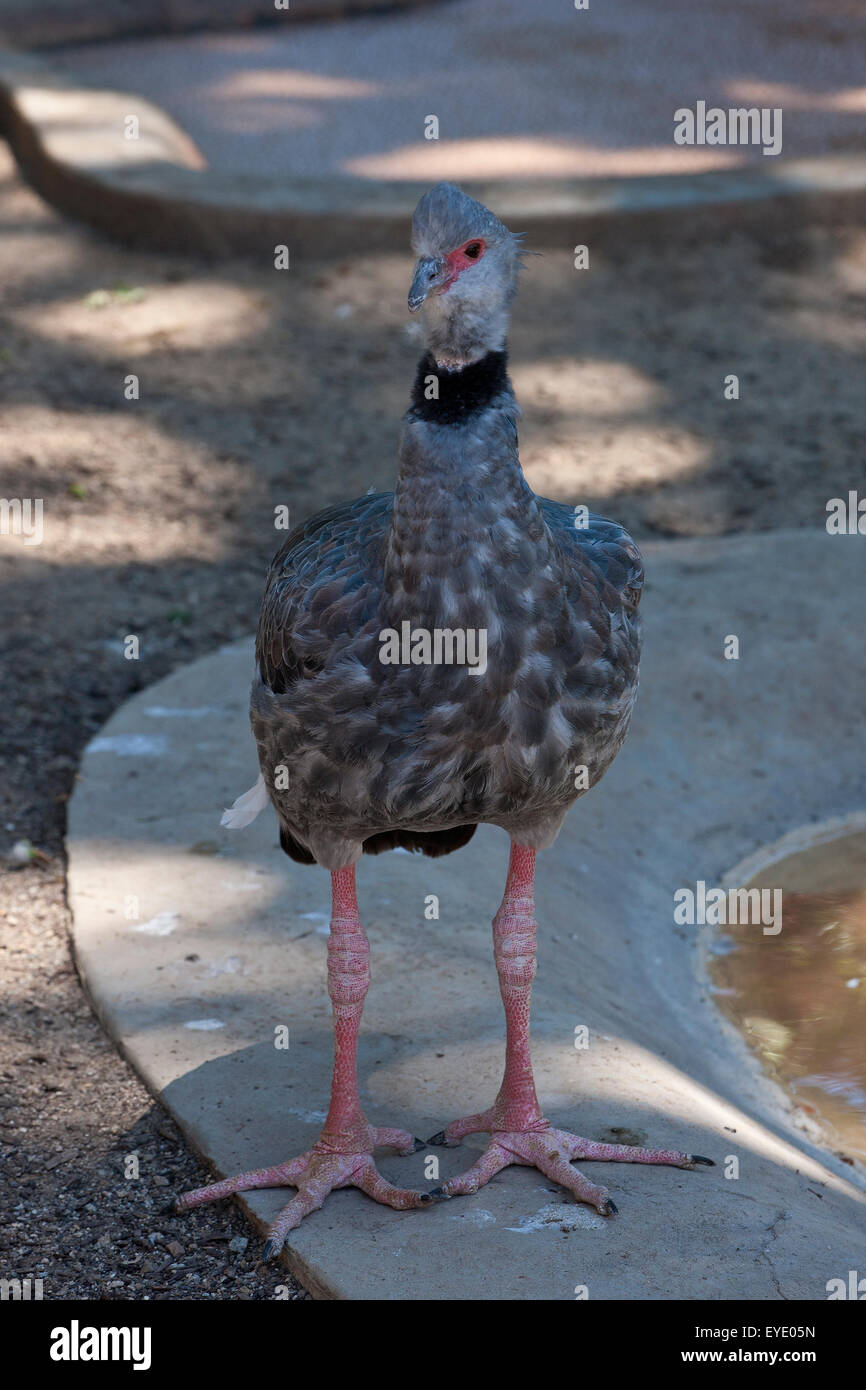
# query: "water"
800 997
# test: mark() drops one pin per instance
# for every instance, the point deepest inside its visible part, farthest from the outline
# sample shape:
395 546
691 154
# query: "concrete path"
539 92
196 945
54 22
313 135
156 190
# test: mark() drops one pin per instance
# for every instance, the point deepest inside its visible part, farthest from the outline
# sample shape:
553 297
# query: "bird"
453 653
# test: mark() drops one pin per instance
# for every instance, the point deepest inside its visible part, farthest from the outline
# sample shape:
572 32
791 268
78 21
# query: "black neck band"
449 397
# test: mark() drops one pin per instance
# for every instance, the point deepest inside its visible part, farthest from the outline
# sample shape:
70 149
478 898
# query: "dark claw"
439 1195
610 1208
437 1138
425 1198
419 1145
696 1158
271 1249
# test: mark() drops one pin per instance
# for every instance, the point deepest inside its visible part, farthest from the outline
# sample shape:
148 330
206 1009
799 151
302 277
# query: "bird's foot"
316 1173
550 1150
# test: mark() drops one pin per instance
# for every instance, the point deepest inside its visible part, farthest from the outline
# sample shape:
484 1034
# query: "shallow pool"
800 996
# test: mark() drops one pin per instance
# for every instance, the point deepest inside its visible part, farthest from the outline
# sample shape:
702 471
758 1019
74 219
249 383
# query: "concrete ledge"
157 192
54 22
229 942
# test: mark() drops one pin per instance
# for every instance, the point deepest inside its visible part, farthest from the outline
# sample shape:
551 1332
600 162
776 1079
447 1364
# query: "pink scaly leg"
343 1154
519 1132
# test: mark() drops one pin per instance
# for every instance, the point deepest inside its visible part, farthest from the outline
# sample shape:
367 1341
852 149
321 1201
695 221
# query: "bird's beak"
430 275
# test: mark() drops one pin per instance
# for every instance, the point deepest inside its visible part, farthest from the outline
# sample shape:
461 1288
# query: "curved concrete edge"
177 923
84 21
67 138
157 191
799 841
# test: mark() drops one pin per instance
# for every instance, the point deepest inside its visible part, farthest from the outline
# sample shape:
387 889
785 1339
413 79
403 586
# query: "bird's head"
465 275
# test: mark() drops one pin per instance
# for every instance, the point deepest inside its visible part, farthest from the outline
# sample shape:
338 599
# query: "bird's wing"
321 588
607 545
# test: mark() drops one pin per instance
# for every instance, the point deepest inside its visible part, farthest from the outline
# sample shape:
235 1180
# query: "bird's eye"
473 250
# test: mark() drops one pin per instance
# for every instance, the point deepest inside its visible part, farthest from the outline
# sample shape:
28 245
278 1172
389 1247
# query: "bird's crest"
446 217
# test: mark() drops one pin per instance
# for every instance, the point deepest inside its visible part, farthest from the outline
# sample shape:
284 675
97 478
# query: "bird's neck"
458 333
461 505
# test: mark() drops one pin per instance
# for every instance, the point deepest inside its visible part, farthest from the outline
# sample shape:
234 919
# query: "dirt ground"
257 389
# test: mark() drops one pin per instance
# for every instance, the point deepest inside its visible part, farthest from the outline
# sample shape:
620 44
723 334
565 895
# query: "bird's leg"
343 1154
346 1128
519 1132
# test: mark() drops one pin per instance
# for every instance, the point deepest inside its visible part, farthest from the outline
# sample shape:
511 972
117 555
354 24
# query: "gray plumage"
379 754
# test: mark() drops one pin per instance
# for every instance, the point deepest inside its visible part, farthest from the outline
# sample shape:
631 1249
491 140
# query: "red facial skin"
458 261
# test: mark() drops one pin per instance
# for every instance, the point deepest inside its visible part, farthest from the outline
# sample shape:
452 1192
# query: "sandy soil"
260 388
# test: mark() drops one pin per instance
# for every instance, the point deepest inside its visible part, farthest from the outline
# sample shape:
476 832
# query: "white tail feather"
247 807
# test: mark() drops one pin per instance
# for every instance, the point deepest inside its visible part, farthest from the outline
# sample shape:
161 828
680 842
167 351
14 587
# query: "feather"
246 807
404 749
